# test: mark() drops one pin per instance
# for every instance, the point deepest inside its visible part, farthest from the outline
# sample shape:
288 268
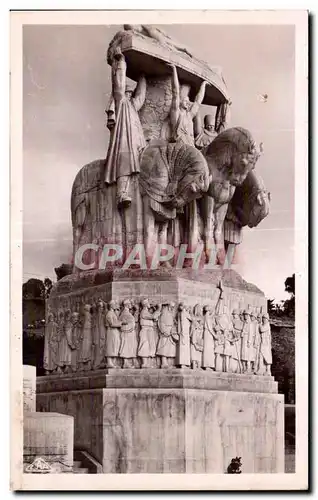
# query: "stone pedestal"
150 421
29 387
161 286
49 435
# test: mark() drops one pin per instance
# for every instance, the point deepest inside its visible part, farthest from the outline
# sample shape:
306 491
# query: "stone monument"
152 342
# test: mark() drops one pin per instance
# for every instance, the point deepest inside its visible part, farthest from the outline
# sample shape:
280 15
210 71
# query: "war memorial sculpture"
158 349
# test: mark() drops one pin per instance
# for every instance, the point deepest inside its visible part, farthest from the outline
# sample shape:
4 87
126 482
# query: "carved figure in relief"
230 157
51 343
265 352
128 346
204 135
209 339
76 338
197 337
172 175
247 350
222 327
127 139
182 111
60 335
113 334
85 351
157 34
228 341
66 345
148 335
183 348
255 339
168 336
99 336
248 207
237 327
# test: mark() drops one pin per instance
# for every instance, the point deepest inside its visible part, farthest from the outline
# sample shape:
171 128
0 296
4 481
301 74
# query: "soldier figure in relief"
209 340
128 346
113 335
196 337
76 335
247 350
166 348
237 327
99 336
148 336
85 352
256 340
265 353
183 348
66 344
50 345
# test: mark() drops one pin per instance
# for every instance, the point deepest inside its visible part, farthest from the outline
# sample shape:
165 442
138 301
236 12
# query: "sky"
66 88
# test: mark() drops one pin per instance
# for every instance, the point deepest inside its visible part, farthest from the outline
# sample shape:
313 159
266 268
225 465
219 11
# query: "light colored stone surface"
166 421
176 430
49 435
29 387
155 378
146 55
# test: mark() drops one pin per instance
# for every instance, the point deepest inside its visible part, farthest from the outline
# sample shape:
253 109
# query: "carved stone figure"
205 134
197 337
128 346
237 327
66 343
230 157
183 348
182 111
248 207
255 340
228 340
127 139
222 327
50 356
168 336
148 336
99 336
172 175
60 335
76 338
247 350
265 352
85 351
209 339
113 334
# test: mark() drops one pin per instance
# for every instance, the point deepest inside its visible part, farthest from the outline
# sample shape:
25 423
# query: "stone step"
80 470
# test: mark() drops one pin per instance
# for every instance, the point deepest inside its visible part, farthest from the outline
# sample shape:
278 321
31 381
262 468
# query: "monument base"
152 421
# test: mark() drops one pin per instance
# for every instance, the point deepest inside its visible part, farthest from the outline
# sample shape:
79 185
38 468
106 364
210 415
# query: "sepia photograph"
159 188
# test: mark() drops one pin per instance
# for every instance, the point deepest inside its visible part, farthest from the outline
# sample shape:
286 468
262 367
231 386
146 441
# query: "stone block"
149 57
49 435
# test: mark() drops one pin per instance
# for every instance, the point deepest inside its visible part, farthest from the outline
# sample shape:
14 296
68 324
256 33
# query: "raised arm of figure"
118 77
140 93
175 103
198 100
